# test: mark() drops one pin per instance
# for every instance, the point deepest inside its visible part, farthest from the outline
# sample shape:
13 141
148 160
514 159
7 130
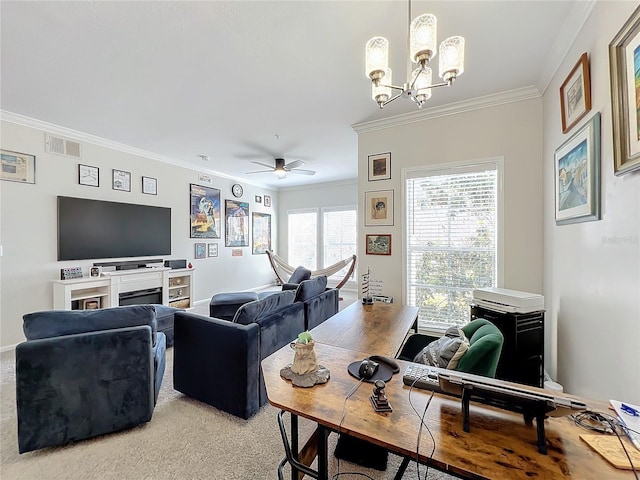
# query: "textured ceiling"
179 79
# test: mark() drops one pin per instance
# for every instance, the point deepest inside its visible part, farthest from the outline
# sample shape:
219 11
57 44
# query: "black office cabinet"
522 358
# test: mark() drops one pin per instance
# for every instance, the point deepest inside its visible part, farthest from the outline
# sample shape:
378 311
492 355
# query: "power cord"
344 413
433 449
607 425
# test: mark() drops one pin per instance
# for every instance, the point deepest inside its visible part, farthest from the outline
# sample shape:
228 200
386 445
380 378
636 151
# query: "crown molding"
336 183
487 101
120 147
571 28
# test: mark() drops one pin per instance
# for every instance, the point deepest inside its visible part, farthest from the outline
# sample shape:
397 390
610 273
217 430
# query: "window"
319 240
339 238
451 234
303 238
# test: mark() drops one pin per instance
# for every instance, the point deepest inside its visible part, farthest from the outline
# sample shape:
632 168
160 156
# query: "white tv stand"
104 291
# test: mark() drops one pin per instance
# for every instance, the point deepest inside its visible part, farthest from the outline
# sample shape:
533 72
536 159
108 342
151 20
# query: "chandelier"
421 43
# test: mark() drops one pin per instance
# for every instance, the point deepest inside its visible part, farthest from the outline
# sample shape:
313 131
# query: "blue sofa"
217 361
84 373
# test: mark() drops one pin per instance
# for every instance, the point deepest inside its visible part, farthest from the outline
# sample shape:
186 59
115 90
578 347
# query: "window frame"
452 169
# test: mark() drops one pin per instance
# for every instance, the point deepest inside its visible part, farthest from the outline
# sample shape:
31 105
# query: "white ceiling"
179 79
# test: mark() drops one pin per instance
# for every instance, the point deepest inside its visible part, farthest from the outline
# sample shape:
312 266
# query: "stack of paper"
629 416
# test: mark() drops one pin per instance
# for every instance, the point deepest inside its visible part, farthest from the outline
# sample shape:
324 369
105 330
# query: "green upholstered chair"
482 358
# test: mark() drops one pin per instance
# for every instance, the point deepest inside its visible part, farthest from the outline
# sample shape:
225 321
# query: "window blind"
451 240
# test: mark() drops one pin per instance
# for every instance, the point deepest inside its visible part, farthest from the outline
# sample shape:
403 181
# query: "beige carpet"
185 439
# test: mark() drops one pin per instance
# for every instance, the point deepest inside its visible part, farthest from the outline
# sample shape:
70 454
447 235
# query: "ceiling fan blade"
303 172
259 171
264 165
294 164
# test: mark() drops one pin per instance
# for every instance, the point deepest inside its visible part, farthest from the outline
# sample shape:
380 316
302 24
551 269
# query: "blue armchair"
84 373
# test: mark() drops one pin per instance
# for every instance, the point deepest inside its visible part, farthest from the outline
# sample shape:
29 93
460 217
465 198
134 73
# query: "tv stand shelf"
104 291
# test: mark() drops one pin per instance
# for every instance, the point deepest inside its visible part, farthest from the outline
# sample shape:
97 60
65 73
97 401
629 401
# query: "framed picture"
378 244
121 180
88 175
212 249
261 228
380 166
149 185
577 175
17 167
624 63
575 94
258 199
378 208
267 201
236 224
205 179
201 250
204 209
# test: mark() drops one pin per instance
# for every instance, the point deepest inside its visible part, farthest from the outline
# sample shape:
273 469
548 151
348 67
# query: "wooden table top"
499 446
379 329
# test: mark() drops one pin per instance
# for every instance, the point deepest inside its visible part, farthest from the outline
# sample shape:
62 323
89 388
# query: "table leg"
323 452
294 445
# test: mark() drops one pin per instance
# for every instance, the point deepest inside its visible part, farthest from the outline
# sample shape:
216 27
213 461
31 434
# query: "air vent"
62 146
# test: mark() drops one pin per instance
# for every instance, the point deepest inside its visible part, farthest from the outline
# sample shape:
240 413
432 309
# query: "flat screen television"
95 229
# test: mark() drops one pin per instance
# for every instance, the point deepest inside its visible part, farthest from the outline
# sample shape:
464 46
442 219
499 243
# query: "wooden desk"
379 329
499 446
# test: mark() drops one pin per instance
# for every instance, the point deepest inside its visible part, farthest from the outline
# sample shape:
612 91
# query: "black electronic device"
384 371
368 368
379 398
391 363
175 263
95 229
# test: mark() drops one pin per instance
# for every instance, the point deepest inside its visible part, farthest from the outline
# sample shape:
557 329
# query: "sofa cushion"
252 311
310 288
446 351
226 305
300 274
57 323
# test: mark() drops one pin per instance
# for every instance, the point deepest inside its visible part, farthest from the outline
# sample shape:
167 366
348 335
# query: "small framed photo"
150 185
201 250
212 249
378 208
624 63
205 179
378 244
88 175
575 94
17 167
121 180
258 199
267 201
577 175
380 166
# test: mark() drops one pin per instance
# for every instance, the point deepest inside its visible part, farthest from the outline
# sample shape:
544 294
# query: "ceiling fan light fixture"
280 173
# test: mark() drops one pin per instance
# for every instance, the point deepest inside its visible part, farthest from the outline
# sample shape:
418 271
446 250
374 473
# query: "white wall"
592 269
28 224
512 131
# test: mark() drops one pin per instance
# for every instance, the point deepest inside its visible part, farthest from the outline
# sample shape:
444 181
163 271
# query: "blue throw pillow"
310 288
252 311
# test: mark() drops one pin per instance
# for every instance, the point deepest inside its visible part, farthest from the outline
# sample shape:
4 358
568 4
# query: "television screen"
95 229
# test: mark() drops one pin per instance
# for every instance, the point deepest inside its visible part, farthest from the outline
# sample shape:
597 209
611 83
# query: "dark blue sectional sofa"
217 360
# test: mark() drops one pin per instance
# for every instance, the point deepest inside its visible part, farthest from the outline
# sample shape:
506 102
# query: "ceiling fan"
281 168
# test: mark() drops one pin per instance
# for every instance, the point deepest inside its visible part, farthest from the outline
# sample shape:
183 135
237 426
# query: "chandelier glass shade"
422 44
